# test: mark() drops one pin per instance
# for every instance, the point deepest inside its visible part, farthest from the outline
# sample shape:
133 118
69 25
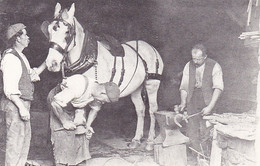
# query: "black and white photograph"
129 82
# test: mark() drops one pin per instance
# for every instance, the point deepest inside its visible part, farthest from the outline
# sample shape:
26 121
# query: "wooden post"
257 141
216 152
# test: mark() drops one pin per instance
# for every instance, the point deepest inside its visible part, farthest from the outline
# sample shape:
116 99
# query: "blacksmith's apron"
196 127
68 148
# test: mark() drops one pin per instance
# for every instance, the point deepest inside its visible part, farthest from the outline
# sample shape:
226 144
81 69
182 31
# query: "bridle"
71 36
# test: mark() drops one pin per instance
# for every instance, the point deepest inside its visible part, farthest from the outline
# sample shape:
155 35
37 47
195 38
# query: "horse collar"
87 59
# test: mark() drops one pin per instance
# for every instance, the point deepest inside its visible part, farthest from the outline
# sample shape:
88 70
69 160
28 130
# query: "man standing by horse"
200 89
18 89
68 102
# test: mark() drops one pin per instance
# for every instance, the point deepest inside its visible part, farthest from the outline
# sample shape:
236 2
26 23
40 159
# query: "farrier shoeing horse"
139 65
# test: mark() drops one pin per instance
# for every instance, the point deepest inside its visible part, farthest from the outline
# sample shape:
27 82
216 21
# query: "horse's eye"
66 24
55 28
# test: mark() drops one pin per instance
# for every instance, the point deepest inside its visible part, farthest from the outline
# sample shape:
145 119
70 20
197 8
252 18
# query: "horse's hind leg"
152 87
140 111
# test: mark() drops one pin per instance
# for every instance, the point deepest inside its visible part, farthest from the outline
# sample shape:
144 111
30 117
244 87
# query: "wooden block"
170 156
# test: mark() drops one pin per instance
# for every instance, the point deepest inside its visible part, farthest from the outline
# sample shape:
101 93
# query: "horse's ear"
72 10
44 28
57 10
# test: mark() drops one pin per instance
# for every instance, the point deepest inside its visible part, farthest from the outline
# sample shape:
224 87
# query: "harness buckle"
95 62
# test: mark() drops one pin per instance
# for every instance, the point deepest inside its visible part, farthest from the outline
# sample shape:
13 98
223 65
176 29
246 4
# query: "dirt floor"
106 146
111 136
102 150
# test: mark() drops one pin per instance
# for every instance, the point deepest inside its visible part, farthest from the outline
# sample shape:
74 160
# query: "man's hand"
24 113
89 132
69 125
34 75
179 108
206 111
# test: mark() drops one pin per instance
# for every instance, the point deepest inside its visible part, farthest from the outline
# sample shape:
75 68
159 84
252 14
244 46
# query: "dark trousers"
196 130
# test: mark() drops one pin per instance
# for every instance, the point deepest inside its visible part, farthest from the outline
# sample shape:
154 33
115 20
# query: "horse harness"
155 75
88 57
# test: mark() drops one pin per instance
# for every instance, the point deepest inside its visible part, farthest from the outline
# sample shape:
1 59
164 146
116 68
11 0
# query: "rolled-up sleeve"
12 71
185 78
217 76
64 97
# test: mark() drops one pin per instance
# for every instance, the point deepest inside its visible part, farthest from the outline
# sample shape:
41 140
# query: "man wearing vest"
201 86
18 89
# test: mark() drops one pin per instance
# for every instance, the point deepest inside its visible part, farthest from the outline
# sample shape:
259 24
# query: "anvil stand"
170 144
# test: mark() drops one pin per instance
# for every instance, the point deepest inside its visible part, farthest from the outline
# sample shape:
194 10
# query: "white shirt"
12 71
217 76
76 90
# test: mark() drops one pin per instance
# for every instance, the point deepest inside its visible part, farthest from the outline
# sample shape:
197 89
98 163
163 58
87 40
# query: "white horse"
141 65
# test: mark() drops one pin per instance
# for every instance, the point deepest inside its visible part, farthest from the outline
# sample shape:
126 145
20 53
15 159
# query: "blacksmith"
68 102
200 89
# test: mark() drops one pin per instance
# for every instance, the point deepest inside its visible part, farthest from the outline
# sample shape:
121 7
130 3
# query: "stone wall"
236 152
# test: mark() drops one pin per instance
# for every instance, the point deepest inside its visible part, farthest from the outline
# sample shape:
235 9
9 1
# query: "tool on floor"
200 154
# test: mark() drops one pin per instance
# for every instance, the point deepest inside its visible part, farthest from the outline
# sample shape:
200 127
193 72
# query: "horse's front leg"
61 115
80 120
140 112
80 117
152 87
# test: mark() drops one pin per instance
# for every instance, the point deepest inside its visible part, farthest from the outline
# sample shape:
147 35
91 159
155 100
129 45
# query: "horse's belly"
133 79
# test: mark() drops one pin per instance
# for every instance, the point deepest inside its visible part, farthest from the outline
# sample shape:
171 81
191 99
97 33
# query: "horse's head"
61 34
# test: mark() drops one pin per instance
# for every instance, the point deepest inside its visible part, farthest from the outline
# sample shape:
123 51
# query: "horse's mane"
104 38
88 53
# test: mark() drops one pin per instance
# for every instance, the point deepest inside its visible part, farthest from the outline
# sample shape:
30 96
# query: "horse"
141 66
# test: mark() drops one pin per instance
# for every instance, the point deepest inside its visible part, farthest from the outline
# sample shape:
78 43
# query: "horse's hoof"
149 146
134 144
